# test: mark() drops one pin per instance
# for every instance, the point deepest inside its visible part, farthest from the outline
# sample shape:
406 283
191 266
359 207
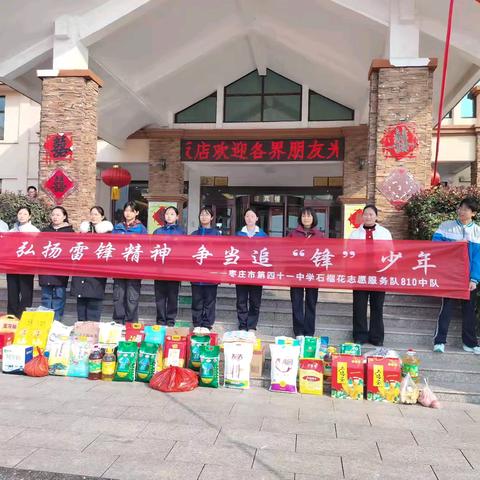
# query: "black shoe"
376 344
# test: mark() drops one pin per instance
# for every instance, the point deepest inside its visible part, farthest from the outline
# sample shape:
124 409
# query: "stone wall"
355 166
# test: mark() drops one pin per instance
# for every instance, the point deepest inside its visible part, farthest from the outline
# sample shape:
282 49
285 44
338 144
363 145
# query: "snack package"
383 379
15 357
134 332
310 376
155 334
238 356
196 344
59 357
79 353
322 346
347 376
110 333
159 359
127 353
409 390
147 355
349 348
327 362
284 369
209 366
58 332
282 340
33 328
86 331
8 323
6 338
309 347
175 351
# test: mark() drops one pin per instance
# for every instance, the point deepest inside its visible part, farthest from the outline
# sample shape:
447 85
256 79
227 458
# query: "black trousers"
469 336
126 295
89 309
361 332
19 293
304 304
204 298
166 299
249 299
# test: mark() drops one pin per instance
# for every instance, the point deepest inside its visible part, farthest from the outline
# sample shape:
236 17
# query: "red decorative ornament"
400 141
159 216
435 179
59 185
356 218
116 177
59 147
399 187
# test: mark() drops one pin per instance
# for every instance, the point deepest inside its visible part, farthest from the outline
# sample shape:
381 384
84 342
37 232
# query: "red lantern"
116 177
435 180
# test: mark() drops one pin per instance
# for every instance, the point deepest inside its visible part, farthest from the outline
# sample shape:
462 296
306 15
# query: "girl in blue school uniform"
204 295
166 291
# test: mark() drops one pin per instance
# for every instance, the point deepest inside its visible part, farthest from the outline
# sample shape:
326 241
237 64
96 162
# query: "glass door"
276 221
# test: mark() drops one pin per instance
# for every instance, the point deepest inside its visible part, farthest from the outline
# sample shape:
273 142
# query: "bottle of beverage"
95 364
109 361
411 364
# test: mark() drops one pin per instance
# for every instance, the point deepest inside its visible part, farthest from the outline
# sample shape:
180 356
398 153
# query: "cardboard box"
5 340
15 357
257 363
384 376
8 323
347 376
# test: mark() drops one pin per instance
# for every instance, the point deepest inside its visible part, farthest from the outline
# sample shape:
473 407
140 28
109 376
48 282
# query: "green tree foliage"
429 208
11 202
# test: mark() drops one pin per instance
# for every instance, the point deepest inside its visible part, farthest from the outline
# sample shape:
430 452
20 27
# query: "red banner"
402 266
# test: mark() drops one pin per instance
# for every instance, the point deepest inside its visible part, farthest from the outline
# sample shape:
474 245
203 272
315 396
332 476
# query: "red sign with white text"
402 266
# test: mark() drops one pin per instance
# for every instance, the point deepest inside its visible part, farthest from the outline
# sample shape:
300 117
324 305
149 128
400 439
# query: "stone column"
398 95
474 169
69 104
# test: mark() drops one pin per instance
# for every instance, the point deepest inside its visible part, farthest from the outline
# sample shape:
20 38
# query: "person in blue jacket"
166 291
249 297
463 229
126 291
204 295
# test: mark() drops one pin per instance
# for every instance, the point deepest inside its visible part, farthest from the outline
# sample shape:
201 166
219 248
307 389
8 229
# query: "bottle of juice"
109 362
411 364
95 364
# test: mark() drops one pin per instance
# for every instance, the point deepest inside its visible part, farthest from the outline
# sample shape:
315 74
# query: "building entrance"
277 208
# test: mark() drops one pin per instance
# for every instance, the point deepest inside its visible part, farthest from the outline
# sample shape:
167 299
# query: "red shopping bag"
37 366
174 379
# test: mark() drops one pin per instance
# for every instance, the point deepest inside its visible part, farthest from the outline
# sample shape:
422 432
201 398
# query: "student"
54 287
20 286
3 226
249 297
32 193
369 231
304 300
204 295
90 291
463 229
126 291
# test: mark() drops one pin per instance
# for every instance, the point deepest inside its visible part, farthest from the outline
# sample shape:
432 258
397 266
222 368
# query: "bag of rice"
126 362
284 368
59 357
146 361
209 366
196 344
238 356
79 353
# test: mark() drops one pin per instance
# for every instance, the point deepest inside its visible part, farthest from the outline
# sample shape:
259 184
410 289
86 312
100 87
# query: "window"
204 111
2 118
271 98
467 106
321 109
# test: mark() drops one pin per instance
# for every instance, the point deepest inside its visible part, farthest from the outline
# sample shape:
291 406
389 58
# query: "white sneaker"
475 350
439 348
197 330
204 331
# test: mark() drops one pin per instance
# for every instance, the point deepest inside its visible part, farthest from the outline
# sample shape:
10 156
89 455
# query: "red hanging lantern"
116 177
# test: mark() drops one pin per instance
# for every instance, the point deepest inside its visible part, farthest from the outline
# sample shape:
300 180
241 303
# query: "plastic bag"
408 390
38 366
427 398
284 368
381 352
174 379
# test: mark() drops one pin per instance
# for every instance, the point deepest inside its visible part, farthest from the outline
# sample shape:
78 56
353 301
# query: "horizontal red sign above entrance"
304 150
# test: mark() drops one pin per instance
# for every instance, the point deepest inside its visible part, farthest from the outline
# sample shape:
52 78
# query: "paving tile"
87 408
11 456
24 402
118 445
239 456
422 455
56 440
364 406
260 439
446 473
122 427
21 418
317 444
381 420
461 438
390 435
473 455
313 415
215 472
358 469
180 432
141 468
273 461
244 410
326 430
8 432
73 463
416 411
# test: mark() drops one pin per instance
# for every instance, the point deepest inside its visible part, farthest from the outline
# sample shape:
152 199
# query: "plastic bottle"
95 364
411 364
109 361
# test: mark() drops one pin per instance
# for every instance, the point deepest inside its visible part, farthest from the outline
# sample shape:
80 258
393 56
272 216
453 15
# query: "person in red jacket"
304 300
